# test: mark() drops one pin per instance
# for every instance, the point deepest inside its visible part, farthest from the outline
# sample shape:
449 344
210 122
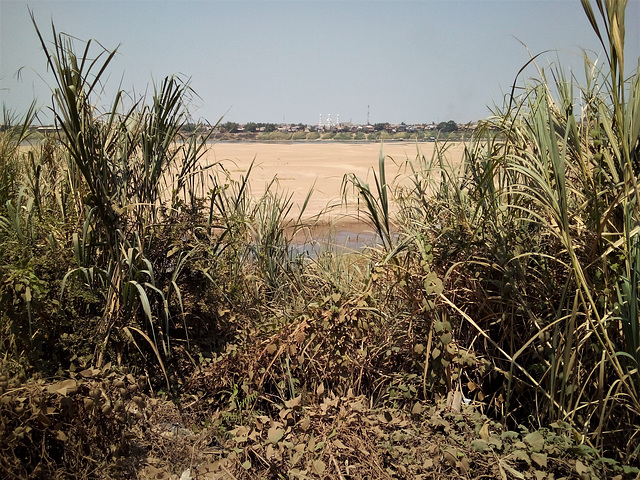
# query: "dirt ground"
322 166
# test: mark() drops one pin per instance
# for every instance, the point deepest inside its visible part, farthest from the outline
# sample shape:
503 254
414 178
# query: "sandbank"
321 166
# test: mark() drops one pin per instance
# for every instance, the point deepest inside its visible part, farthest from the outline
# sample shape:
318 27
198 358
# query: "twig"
337 467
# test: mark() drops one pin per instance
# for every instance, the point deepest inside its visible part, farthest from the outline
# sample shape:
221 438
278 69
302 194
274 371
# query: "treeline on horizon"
257 127
449 130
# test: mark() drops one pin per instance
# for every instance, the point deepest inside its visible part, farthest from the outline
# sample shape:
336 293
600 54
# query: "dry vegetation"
151 328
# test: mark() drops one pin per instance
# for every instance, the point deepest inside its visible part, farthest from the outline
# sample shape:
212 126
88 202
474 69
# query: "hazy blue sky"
412 61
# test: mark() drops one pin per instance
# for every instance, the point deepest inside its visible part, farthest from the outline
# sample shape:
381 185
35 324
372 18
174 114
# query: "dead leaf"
581 468
318 466
417 409
535 440
540 459
64 387
484 431
44 420
504 465
463 465
450 458
305 423
269 452
456 405
293 402
284 413
275 434
521 455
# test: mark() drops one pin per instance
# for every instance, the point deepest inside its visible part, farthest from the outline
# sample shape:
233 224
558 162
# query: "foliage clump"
153 326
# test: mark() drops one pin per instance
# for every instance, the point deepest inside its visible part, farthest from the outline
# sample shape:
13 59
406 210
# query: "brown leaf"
463 465
294 402
484 431
63 387
338 443
535 440
456 405
44 420
540 459
581 468
284 412
318 466
89 372
450 458
269 452
515 473
275 434
305 423
521 455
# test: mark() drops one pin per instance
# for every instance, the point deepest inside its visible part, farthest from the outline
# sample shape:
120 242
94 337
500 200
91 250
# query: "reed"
538 240
129 160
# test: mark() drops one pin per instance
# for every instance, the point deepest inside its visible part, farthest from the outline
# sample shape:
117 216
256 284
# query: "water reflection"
350 238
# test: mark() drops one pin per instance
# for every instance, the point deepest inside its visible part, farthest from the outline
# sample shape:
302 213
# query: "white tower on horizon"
337 120
328 120
320 121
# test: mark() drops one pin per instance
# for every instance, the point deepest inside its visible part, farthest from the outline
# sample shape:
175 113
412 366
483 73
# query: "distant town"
344 131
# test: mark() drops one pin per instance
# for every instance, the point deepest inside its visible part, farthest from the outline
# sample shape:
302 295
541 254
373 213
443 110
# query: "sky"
289 61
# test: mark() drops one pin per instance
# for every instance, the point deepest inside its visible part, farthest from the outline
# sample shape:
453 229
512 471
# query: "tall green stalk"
132 166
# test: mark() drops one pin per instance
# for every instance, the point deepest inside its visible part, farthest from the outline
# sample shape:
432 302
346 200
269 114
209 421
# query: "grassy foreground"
154 329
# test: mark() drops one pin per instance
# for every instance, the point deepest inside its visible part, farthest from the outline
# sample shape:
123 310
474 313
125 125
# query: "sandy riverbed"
321 166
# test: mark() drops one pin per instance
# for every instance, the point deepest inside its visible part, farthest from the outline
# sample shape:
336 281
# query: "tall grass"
538 243
13 132
129 161
376 202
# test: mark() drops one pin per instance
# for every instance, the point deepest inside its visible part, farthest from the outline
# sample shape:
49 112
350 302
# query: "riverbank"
300 167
